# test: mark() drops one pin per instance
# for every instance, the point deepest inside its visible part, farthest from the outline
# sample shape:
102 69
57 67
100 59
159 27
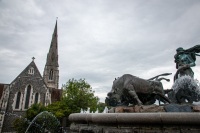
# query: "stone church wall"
20 84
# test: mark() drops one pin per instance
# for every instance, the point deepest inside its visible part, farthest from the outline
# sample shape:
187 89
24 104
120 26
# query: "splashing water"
35 123
186 82
47 122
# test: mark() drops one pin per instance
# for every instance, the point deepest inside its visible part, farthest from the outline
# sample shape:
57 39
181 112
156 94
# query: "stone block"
178 108
196 108
138 109
119 109
152 108
128 110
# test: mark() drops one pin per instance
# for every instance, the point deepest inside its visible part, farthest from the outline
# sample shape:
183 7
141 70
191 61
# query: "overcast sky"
98 39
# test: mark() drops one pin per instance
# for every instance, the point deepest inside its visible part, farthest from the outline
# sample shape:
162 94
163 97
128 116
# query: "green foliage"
20 125
34 110
101 106
58 108
78 94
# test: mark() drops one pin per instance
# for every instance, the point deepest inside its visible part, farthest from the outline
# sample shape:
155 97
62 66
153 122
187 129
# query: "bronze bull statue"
129 89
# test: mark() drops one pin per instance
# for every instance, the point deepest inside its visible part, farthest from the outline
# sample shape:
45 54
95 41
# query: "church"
30 87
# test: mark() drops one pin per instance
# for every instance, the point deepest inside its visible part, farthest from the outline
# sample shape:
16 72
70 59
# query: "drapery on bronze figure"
185 89
185 59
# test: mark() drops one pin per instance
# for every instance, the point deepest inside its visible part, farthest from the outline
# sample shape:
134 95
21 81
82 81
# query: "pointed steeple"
51 71
55 29
52 56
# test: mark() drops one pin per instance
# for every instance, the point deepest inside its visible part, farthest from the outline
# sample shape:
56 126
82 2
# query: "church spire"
55 29
51 71
52 57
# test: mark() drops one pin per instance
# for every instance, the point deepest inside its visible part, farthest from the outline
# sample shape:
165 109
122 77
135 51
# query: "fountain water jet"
50 122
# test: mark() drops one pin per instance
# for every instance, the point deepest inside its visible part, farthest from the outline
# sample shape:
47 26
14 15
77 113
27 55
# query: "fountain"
133 103
44 121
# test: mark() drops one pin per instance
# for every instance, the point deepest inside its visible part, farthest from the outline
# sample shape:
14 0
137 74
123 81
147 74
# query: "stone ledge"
138 118
137 109
156 108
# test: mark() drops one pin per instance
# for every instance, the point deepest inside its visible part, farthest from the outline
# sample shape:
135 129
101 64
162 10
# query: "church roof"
30 71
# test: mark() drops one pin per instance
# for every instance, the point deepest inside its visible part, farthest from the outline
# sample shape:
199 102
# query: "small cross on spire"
33 58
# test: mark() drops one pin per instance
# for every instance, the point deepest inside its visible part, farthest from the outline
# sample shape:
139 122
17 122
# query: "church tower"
51 71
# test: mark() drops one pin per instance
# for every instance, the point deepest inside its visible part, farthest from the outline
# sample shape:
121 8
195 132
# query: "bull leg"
132 93
135 96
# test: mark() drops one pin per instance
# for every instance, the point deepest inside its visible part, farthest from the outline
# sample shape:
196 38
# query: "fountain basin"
135 122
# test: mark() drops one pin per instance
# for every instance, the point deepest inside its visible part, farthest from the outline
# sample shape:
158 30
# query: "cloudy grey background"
98 39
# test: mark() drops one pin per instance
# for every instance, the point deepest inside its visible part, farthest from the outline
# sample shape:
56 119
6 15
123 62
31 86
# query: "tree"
34 110
101 106
58 108
78 94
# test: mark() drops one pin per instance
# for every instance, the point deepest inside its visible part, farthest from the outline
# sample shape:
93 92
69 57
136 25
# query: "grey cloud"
98 40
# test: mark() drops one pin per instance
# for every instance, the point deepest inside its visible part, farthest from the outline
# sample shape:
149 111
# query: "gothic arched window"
18 100
51 74
36 97
28 93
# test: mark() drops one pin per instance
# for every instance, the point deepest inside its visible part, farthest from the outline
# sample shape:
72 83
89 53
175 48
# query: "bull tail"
156 77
